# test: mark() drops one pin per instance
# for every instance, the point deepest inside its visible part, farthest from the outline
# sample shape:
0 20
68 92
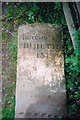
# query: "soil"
8 72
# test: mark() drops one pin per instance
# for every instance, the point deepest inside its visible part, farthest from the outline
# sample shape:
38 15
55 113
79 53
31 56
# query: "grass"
8 110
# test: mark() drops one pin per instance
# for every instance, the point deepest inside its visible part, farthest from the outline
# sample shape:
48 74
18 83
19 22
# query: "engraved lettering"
30 45
37 55
34 37
42 46
42 55
37 46
45 37
48 46
27 45
27 37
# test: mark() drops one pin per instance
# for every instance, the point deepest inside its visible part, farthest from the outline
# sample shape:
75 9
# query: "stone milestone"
40 86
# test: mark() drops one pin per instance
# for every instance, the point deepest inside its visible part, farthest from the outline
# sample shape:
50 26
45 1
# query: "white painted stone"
40 86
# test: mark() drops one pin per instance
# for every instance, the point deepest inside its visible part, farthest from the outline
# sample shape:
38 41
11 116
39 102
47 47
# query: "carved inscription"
34 37
27 44
41 46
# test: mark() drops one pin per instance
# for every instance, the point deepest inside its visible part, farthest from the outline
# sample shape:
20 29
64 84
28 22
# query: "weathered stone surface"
40 87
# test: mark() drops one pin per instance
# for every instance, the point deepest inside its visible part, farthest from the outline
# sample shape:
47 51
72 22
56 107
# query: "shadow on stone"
47 106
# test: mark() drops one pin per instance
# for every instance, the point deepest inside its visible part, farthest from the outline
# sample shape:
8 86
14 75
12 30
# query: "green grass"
9 99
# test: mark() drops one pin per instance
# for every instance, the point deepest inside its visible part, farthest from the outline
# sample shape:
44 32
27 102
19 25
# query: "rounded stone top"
48 26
